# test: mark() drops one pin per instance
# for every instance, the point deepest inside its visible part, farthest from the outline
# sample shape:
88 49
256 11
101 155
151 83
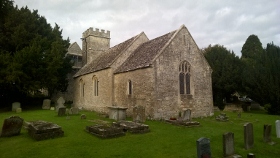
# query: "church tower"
94 42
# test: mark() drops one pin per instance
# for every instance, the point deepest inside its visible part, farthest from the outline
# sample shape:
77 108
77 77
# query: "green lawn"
164 140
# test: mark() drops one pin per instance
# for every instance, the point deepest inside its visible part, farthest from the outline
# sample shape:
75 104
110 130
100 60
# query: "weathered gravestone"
46 104
74 111
41 130
203 148
60 103
248 135
228 145
267 133
15 105
187 115
62 111
139 114
12 126
277 126
18 110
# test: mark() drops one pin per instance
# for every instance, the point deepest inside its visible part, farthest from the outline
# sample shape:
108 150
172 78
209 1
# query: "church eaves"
144 55
106 59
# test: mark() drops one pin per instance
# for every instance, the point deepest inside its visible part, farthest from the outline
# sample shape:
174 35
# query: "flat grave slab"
183 123
104 131
42 130
132 127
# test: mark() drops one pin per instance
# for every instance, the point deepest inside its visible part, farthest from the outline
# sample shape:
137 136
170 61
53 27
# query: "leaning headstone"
267 133
139 114
18 110
74 111
277 126
203 148
248 135
60 103
187 115
15 105
62 111
12 126
46 104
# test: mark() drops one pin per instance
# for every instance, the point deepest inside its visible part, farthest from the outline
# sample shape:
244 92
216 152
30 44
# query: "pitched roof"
106 59
74 49
144 55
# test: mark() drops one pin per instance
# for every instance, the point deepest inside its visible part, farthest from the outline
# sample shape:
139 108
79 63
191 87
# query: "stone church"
166 75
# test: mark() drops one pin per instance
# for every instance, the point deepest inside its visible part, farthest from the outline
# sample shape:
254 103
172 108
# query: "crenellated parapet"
96 32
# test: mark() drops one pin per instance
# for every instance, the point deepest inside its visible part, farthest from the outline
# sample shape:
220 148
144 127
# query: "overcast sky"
223 22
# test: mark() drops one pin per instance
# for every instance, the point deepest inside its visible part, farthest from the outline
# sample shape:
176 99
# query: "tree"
32 54
227 68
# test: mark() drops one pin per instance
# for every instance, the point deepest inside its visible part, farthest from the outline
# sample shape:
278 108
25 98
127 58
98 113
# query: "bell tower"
94 42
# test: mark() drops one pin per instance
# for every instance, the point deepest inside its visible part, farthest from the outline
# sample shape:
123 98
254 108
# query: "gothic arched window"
95 86
129 86
185 78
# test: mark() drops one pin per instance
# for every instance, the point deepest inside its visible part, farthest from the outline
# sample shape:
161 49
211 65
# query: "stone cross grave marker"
139 114
228 144
74 110
248 135
203 148
277 126
60 103
187 115
267 133
46 104
12 126
62 111
15 105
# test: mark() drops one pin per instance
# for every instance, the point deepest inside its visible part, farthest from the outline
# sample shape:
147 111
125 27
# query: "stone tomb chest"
41 130
117 113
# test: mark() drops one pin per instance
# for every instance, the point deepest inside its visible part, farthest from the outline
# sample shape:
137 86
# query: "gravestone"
74 111
203 148
267 133
248 135
15 105
60 103
12 126
83 116
139 114
228 144
62 111
52 108
46 104
187 115
277 126
18 110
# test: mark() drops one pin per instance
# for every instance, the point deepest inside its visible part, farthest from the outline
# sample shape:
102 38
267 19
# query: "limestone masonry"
165 75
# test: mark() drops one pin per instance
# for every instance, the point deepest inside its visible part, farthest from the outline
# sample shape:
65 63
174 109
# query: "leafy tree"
227 68
32 53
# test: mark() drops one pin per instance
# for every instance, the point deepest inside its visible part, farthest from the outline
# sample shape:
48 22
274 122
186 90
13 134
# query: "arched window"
185 78
129 87
95 86
82 88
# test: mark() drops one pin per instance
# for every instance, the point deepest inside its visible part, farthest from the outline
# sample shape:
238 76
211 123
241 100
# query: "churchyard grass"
164 140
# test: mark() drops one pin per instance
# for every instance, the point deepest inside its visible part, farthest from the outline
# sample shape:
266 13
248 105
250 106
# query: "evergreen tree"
227 68
32 53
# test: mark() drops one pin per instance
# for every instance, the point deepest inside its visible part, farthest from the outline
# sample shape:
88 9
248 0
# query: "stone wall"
143 90
87 99
169 100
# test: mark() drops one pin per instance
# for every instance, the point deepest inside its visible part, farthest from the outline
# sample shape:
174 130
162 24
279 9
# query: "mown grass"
164 140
